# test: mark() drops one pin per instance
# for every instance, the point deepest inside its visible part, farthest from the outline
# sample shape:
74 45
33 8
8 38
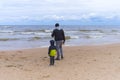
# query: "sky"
82 12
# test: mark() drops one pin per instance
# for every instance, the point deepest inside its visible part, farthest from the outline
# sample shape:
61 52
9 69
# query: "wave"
27 33
34 38
96 30
8 39
48 31
7 27
38 38
6 31
93 36
84 36
40 30
30 30
72 31
72 37
114 30
42 34
34 33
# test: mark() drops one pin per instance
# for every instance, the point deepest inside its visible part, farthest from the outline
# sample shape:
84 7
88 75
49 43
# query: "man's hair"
57 25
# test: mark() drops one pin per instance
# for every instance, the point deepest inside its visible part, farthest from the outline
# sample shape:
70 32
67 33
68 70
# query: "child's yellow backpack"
53 52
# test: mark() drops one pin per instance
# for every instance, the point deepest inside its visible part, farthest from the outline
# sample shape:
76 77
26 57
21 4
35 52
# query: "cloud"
58 9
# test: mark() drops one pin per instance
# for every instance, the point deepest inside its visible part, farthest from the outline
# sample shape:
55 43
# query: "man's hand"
63 42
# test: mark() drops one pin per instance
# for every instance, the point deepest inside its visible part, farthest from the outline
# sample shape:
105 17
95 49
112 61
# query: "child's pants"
52 61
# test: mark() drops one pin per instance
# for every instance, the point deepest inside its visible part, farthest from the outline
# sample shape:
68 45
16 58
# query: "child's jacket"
52 49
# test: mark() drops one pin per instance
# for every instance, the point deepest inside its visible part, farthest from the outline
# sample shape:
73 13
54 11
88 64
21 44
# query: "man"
59 37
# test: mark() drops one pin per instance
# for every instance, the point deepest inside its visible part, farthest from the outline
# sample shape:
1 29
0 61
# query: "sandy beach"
101 62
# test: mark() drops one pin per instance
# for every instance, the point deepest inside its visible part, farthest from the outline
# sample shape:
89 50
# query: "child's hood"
52 42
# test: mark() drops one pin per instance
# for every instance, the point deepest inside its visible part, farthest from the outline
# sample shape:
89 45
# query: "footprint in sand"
117 69
19 51
47 76
10 66
94 60
23 57
118 57
26 69
2 52
44 58
6 59
1 56
88 62
110 53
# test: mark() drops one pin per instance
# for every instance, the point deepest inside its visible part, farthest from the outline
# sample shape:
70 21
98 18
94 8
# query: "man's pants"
59 49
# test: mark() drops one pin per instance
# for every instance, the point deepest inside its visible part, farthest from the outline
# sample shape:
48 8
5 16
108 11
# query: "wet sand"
100 62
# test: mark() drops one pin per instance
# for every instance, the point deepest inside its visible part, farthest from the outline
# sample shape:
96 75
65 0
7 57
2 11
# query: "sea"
14 37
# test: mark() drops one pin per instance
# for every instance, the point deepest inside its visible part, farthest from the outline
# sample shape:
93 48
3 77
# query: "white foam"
27 33
48 31
71 32
6 31
96 36
41 33
74 37
7 26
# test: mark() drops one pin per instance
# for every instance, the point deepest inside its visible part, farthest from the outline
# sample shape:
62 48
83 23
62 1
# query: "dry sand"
80 63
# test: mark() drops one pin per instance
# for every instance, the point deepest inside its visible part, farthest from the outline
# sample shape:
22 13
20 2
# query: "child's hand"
49 55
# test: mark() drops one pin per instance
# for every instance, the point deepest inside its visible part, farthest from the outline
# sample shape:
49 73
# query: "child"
52 52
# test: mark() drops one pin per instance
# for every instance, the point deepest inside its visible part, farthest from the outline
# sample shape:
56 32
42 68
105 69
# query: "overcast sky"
19 10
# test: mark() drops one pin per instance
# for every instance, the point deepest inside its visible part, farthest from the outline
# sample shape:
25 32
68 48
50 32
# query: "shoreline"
99 62
103 44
